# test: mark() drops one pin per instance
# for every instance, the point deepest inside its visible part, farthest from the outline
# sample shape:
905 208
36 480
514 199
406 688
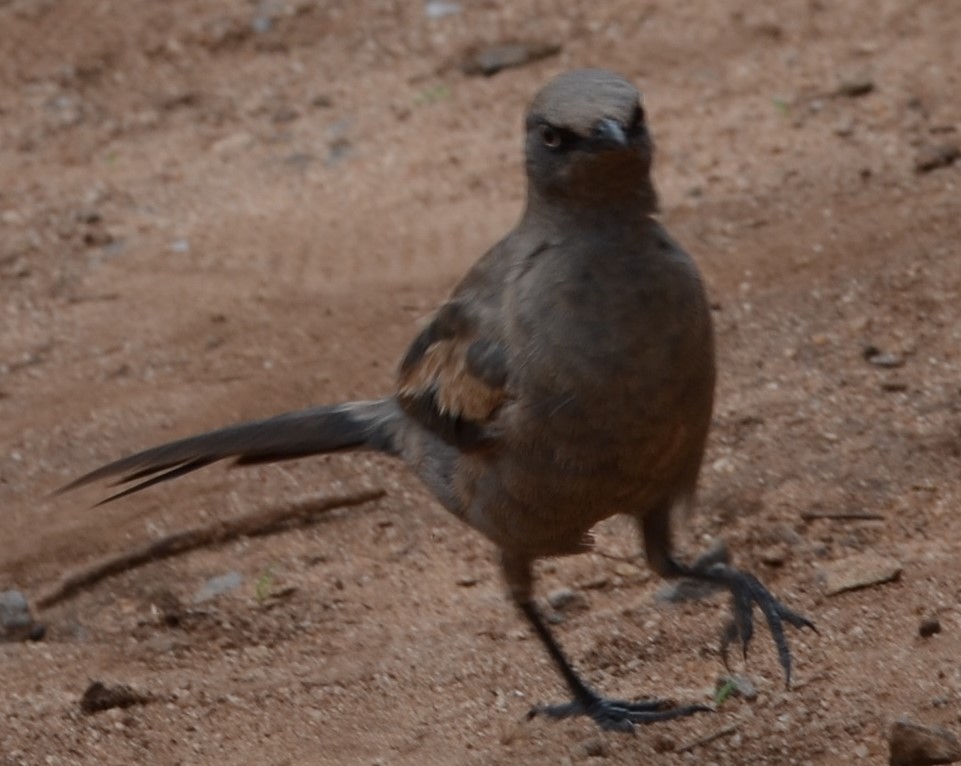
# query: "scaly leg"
609 714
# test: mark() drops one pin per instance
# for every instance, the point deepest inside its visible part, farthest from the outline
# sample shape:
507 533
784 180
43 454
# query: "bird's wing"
454 377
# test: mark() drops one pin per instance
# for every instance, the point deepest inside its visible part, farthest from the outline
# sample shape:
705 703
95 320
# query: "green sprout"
724 692
433 94
264 585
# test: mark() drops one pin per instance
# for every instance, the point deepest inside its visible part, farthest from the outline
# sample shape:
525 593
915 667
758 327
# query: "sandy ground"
213 211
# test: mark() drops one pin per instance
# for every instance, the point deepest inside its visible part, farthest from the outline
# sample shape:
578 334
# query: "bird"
568 378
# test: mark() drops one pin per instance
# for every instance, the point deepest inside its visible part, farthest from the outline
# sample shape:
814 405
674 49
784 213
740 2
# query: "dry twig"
841 516
266 522
708 738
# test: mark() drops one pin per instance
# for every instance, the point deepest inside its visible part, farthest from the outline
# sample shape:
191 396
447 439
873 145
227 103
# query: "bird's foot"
746 592
617 715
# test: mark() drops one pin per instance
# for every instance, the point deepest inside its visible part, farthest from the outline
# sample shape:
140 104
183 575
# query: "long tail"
355 425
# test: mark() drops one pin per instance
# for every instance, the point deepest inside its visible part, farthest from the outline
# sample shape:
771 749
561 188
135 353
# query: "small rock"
167 608
492 59
564 598
894 386
16 622
232 144
889 361
933 156
99 697
855 87
338 151
438 9
88 216
929 627
467 581
179 246
880 358
217 586
262 24
14 612
627 570
856 572
775 556
915 745
339 144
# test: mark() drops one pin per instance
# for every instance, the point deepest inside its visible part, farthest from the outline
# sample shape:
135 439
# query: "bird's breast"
613 370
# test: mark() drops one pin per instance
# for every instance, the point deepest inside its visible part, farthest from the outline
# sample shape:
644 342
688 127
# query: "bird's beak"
609 134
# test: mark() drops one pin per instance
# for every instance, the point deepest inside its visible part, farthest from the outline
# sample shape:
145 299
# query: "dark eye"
637 121
550 136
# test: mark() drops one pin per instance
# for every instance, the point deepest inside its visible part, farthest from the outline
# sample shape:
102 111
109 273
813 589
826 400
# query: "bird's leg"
746 590
609 714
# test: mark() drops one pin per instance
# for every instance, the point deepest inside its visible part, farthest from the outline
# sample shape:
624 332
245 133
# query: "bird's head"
588 143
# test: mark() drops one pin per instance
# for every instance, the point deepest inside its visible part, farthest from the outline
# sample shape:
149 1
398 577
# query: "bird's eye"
550 137
638 119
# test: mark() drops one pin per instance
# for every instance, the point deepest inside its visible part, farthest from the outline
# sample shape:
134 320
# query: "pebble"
624 569
438 9
262 24
775 556
915 745
16 622
339 145
856 572
894 386
565 599
492 59
879 358
855 87
933 156
232 144
929 627
217 586
889 361
99 697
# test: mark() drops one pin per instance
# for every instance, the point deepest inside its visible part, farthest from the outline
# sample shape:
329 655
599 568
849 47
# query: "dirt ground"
214 210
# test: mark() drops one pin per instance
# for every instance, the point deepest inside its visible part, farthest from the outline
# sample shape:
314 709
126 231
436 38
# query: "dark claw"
746 591
618 715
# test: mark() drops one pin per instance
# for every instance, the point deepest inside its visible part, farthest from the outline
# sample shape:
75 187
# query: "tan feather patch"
443 368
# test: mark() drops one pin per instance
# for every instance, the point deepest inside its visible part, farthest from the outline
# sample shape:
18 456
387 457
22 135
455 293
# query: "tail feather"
292 435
